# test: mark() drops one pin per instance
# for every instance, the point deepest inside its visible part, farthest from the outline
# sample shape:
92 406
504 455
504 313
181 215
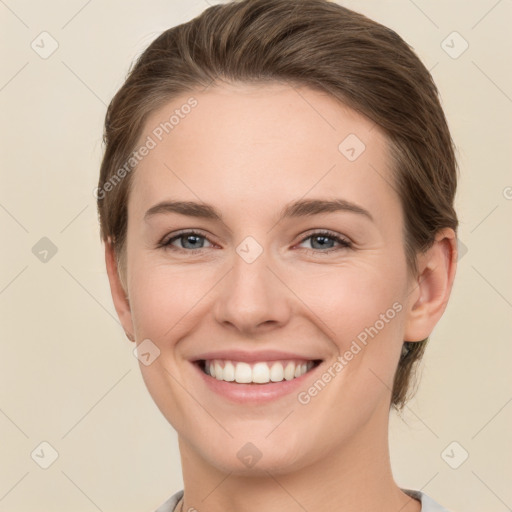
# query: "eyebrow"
300 208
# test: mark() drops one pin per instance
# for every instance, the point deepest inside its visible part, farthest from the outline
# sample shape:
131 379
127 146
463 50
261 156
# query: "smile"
261 372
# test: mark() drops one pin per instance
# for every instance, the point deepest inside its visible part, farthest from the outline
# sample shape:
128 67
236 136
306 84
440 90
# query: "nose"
252 297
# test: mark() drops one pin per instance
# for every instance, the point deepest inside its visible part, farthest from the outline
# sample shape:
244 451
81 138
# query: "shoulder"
427 503
170 503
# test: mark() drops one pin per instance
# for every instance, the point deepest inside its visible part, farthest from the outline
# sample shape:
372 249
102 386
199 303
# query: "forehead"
259 145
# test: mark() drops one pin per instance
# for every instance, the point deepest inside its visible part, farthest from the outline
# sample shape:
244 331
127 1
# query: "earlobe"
119 295
436 272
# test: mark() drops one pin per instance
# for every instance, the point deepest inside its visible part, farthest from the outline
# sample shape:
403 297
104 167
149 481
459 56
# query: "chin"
253 458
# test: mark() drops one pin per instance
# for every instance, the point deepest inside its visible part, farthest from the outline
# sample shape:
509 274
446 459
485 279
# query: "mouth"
259 373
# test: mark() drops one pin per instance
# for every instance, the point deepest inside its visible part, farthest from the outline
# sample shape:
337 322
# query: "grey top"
427 503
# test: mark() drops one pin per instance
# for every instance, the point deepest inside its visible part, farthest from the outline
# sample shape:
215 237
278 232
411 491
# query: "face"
294 276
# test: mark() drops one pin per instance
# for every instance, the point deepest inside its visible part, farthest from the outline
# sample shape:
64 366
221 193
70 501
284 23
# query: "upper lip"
250 357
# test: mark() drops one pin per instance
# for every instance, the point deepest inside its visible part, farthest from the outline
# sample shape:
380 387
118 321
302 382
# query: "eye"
190 240
324 240
194 241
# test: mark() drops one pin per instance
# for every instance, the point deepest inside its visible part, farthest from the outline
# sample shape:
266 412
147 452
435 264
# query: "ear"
433 285
119 296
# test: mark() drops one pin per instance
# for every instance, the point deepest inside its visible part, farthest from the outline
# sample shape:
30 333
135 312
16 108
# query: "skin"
249 150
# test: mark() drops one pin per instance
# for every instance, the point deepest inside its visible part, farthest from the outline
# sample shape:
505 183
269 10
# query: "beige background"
68 375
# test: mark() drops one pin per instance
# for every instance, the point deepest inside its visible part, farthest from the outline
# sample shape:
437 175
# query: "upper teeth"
260 373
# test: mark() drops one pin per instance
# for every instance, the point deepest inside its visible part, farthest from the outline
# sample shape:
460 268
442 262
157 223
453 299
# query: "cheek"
162 296
349 300
362 312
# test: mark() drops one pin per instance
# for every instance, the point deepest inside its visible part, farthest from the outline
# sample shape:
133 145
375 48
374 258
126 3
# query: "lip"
253 357
255 393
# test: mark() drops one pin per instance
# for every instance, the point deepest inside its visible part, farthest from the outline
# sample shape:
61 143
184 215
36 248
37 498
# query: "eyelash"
344 243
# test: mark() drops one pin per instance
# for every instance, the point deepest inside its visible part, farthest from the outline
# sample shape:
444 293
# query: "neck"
356 475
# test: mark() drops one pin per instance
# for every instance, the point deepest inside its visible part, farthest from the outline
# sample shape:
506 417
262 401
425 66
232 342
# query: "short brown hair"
315 43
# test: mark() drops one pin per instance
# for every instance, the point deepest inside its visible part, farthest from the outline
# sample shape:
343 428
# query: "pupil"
324 238
192 237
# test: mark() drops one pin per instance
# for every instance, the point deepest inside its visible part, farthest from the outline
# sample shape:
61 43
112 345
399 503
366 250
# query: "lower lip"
255 393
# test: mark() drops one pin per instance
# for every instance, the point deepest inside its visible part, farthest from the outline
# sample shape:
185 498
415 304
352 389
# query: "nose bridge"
251 294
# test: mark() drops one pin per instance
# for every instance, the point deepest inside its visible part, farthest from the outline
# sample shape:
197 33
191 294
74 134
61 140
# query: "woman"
276 201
